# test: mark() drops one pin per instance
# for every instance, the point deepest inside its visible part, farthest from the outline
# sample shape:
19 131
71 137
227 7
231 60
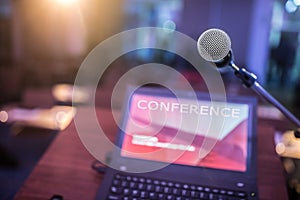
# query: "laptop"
183 145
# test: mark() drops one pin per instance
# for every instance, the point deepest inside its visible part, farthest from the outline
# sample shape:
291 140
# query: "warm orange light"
66 1
3 116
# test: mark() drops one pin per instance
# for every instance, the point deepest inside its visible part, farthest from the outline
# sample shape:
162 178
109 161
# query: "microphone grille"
214 45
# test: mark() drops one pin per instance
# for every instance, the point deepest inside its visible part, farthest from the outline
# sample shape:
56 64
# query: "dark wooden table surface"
65 168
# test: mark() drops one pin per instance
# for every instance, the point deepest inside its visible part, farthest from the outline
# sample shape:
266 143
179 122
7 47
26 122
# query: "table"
65 168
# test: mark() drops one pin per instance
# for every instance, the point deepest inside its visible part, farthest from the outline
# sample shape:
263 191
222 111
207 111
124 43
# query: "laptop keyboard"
131 187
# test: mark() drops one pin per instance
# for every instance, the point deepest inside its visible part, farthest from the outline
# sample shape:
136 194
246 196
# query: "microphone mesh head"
213 45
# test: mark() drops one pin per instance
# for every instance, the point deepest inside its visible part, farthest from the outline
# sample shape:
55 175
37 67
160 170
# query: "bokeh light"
290 7
296 2
3 116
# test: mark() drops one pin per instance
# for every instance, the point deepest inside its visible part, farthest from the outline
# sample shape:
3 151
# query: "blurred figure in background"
284 57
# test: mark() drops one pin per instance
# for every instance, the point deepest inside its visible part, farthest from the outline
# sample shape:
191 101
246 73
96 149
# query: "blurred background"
44 42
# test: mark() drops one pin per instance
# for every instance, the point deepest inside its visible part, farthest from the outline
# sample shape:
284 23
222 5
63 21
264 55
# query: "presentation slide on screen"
172 130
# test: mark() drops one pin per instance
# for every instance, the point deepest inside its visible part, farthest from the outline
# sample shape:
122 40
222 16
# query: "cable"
98 167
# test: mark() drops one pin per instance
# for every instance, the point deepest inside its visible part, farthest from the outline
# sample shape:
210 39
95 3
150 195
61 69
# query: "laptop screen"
187 131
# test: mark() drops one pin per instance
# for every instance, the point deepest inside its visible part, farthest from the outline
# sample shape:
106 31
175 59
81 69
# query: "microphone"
214 45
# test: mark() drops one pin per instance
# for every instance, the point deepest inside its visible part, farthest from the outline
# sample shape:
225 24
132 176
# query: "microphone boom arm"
249 80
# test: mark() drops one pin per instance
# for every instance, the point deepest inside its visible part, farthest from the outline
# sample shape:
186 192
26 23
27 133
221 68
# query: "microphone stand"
249 80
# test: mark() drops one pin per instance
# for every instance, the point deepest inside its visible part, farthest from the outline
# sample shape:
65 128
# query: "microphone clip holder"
247 78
